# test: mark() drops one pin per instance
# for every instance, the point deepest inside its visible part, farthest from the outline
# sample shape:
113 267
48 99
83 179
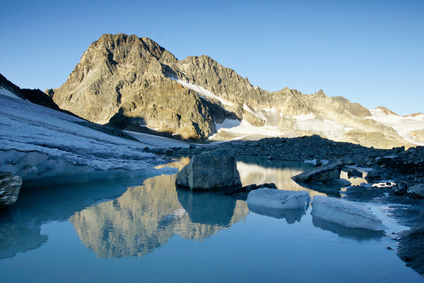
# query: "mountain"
135 84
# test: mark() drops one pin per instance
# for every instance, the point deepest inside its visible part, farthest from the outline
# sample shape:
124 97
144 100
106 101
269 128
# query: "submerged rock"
210 171
345 213
10 185
278 199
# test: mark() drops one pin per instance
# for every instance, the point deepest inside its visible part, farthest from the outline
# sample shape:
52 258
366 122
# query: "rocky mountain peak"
133 83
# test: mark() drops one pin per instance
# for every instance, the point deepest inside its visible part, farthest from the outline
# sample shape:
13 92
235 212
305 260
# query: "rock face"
10 185
210 171
322 173
120 80
134 83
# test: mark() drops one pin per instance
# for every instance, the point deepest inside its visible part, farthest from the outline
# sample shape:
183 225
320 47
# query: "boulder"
322 173
210 171
400 188
10 185
417 191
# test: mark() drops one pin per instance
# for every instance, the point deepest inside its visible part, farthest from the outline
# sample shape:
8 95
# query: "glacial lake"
144 230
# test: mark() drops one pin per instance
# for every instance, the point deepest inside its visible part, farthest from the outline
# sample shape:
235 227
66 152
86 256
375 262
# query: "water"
145 230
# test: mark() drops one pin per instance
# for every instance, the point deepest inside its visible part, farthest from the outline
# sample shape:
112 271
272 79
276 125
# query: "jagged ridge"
134 83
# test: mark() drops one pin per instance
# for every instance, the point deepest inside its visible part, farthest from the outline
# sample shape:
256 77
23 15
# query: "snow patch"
279 199
202 92
346 213
323 127
246 131
227 124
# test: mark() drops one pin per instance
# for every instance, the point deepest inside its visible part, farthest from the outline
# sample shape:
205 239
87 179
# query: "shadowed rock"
411 248
417 191
322 173
10 185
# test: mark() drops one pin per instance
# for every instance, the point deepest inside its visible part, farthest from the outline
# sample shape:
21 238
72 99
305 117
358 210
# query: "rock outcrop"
210 171
10 186
322 173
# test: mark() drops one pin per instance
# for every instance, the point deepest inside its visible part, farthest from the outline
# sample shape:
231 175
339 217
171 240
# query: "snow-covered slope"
404 125
40 143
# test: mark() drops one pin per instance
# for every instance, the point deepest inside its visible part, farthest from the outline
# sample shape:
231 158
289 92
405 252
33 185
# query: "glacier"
39 143
346 213
279 199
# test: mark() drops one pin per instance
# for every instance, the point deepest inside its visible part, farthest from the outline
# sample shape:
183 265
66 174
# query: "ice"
346 213
279 199
37 143
7 92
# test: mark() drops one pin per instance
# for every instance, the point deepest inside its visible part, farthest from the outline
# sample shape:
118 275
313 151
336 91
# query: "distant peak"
386 111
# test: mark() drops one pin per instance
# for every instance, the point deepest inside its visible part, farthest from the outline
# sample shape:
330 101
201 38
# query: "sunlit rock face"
134 83
146 217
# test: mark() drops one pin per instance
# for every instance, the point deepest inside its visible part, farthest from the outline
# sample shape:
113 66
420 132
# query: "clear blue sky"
371 52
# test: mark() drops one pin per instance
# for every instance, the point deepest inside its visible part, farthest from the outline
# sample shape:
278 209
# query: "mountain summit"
135 84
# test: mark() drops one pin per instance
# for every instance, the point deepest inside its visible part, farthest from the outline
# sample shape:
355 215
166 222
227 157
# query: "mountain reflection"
146 217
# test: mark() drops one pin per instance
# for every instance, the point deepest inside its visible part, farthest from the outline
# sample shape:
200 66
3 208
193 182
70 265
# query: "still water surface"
145 230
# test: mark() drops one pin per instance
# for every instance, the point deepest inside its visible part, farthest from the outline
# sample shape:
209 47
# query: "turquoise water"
145 230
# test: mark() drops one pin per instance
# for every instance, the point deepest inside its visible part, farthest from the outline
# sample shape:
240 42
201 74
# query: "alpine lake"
142 229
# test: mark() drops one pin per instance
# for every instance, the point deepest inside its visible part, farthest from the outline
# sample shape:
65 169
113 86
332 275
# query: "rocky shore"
394 177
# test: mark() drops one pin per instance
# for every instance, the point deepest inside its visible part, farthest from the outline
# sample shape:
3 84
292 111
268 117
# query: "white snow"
38 142
201 91
346 213
279 199
323 127
403 125
247 131
227 124
7 92
157 141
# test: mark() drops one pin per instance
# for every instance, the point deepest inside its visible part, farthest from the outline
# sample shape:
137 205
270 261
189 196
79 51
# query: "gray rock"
322 173
411 248
417 191
210 171
400 188
10 185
